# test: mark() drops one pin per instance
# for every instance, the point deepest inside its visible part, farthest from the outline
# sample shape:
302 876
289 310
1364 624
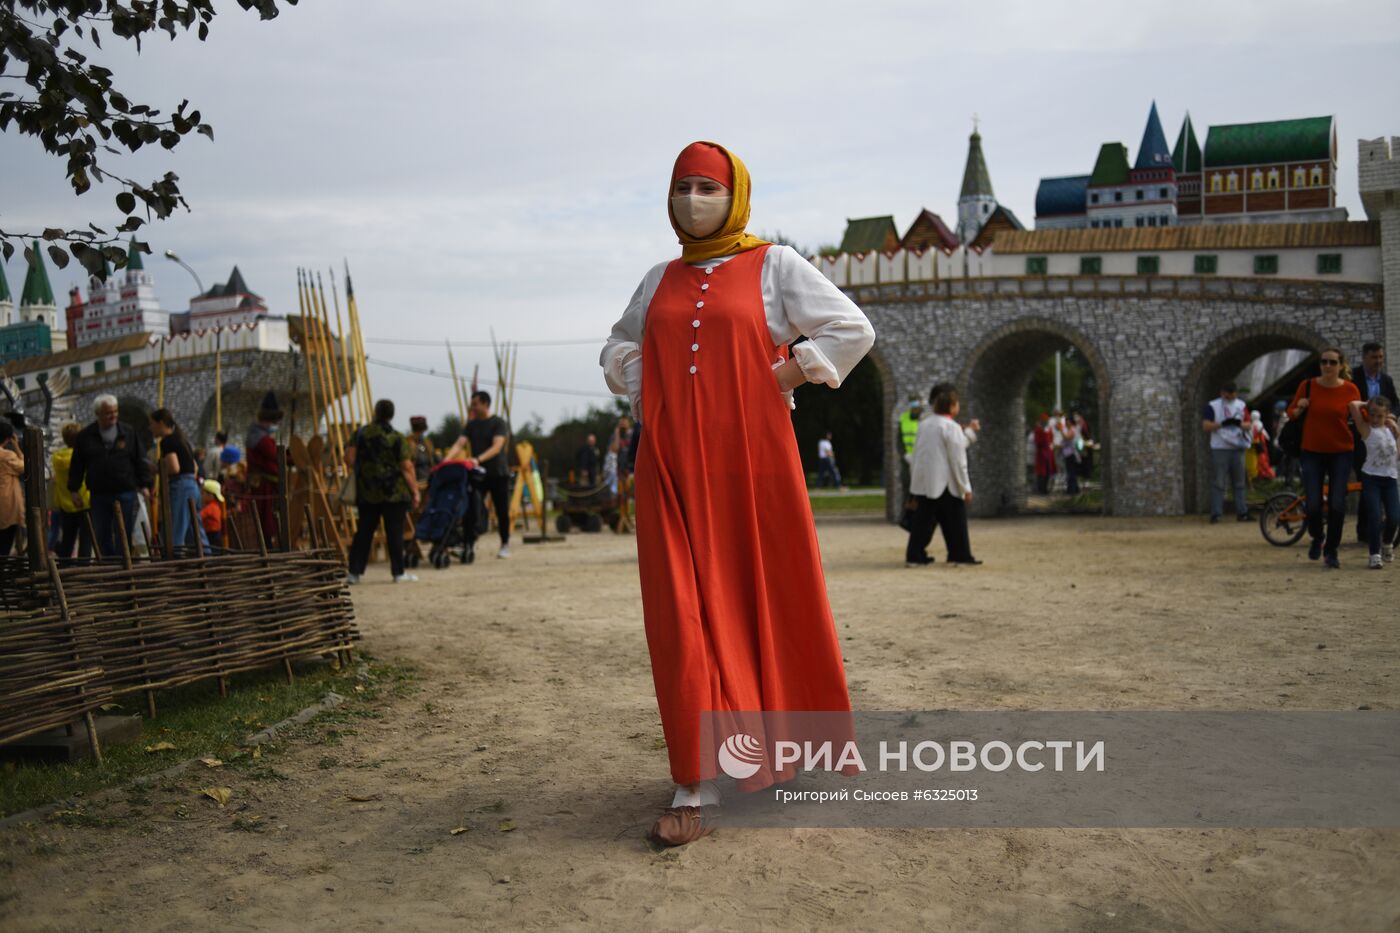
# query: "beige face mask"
699 215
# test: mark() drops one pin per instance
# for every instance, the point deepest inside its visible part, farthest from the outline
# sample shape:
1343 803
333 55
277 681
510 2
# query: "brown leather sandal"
677 826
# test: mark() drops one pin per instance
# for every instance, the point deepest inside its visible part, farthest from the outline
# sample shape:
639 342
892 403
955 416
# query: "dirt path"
535 707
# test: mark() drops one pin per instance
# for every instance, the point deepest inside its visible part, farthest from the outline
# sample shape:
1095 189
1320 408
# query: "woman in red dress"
733 594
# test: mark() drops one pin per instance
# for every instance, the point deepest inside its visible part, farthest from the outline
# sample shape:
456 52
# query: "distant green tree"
1079 389
448 430
854 416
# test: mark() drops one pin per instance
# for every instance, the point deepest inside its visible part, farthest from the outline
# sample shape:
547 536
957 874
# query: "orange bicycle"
1284 518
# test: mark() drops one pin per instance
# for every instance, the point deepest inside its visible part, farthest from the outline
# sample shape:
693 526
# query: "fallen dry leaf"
212 762
161 747
459 830
220 795
257 751
507 826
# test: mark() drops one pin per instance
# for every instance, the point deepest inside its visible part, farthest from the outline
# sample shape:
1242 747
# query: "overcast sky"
505 165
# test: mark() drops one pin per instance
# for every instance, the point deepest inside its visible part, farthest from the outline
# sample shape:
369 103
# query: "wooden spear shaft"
306 352
354 308
362 416
456 386
332 372
322 372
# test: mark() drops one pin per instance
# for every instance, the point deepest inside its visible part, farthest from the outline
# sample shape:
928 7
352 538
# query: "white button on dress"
694 347
705 286
692 370
699 304
695 323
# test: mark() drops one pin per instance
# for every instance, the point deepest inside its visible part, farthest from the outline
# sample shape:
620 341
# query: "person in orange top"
733 596
1327 449
211 517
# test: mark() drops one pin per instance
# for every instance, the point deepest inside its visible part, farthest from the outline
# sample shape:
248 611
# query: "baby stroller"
450 494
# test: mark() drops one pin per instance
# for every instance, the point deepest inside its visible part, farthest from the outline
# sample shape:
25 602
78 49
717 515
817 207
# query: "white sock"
705 794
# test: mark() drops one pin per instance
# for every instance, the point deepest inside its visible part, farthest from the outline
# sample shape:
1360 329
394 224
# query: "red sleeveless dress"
733 593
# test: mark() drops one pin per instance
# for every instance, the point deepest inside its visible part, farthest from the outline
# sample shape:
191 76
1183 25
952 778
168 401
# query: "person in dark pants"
385 485
940 484
1327 450
110 457
487 434
587 461
1371 381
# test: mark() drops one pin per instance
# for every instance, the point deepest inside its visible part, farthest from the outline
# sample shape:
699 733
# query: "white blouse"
797 300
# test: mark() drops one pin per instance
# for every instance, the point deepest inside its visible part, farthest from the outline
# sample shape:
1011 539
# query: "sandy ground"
536 707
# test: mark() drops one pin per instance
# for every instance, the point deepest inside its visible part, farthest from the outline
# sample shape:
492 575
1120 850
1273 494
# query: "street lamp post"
218 346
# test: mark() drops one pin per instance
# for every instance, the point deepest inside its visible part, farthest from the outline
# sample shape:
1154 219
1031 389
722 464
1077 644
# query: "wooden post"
283 514
167 514
351 395
262 549
204 585
135 608
36 495
61 598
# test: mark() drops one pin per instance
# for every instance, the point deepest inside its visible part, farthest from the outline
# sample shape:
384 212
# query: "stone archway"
993 382
1223 359
136 413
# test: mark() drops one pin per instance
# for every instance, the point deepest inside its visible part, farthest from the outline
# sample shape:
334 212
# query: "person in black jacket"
109 455
1372 380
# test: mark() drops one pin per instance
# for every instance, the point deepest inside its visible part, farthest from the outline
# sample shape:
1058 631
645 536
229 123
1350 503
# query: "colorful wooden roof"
1153 152
1111 167
1196 237
977 181
1059 196
1186 154
37 290
1305 140
867 234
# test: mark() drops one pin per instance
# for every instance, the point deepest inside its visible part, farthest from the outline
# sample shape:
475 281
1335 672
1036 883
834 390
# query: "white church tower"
977 201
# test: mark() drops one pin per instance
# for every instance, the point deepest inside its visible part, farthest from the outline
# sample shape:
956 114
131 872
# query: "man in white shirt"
826 463
939 481
1224 420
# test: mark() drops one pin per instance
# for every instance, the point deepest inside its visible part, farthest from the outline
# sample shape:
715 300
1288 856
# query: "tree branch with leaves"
73 107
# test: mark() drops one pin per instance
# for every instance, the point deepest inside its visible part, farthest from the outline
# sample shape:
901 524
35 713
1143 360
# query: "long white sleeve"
621 358
955 442
799 300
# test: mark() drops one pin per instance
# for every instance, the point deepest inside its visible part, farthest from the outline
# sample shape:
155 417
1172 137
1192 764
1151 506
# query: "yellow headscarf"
729 238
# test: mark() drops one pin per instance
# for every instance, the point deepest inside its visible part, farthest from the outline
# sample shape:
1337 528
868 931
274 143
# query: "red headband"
706 161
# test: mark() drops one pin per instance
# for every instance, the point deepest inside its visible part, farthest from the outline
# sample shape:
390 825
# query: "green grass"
201 724
874 502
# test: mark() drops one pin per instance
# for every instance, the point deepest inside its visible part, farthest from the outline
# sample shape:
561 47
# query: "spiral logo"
740 756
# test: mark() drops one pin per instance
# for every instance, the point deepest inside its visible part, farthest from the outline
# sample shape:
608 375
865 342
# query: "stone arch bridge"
1159 348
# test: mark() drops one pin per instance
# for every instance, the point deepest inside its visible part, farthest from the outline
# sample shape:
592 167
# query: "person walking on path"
1380 500
827 471
72 527
212 463
735 605
940 482
487 434
424 453
183 483
1044 440
109 457
586 460
11 487
1224 420
1324 405
1371 381
385 486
